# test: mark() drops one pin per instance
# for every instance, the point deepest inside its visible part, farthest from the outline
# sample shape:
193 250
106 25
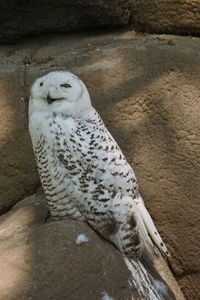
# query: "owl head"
59 92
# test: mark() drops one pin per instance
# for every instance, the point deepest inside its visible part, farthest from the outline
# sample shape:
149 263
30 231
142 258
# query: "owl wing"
88 149
92 157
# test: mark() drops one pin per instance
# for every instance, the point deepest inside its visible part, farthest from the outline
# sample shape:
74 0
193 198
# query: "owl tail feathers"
147 281
148 230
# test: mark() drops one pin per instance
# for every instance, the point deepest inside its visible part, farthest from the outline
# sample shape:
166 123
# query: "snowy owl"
85 175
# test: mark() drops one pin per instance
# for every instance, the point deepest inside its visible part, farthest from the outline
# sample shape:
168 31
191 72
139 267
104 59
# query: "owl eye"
41 83
66 85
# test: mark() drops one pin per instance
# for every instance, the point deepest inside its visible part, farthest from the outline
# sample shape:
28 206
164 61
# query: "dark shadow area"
31 19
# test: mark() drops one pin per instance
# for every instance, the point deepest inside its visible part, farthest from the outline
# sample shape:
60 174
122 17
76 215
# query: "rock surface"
31 18
167 16
41 260
147 90
157 16
17 171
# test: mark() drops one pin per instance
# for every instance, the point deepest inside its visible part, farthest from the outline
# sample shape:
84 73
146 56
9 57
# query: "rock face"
157 16
174 16
147 90
17 171
42 261
30 18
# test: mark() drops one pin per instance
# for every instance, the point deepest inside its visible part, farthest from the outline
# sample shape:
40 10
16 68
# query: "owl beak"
49 99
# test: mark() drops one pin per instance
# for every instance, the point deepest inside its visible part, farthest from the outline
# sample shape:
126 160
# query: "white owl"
85 175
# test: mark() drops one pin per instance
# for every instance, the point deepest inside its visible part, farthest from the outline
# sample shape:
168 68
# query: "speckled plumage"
83 172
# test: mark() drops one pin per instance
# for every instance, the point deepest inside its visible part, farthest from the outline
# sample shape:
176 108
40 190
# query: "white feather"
82 239
105 296
140 280
150 227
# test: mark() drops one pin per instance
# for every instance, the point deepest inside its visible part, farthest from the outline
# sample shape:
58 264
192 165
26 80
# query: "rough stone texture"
17 170
167 16
147 90
157 16
42 261
34 17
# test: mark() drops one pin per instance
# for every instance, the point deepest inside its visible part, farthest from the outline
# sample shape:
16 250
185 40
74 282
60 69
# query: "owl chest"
76 159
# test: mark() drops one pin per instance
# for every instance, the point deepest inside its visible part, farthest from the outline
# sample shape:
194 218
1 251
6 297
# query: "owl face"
60 92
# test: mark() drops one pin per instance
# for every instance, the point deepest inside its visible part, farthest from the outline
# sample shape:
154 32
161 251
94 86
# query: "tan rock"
40 260
17 170
164 16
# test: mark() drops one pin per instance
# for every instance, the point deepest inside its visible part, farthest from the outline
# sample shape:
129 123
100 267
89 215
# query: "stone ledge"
36 17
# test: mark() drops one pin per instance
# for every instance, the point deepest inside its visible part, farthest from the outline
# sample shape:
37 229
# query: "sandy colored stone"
17 171
40 260
166 16
146 87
